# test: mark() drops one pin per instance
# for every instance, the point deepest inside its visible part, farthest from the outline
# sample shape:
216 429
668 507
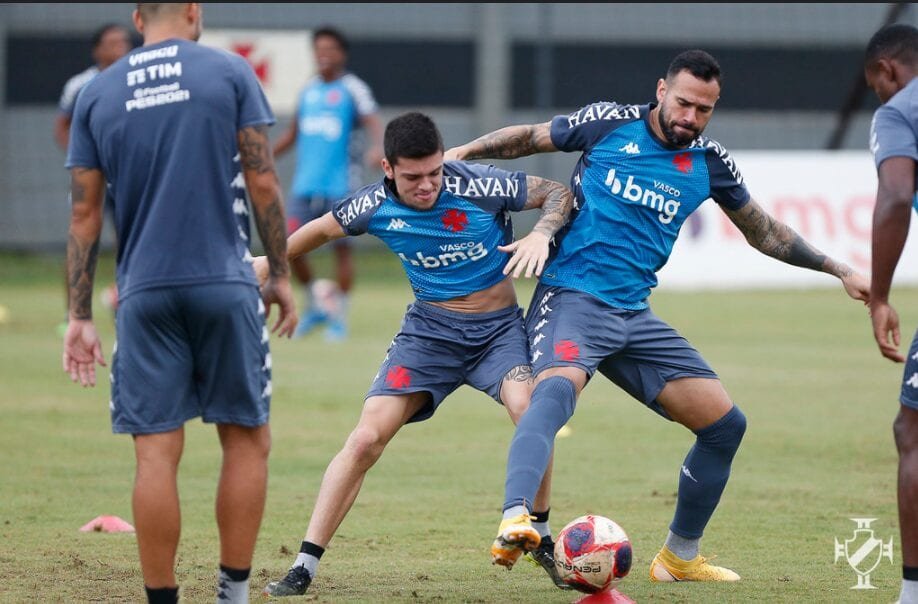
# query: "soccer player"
891 67
449 223
163 127
644 169
328 108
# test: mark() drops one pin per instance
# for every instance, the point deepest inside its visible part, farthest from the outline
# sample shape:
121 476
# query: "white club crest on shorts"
863 551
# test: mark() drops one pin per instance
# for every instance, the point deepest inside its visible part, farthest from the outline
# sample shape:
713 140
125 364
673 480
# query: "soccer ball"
592 554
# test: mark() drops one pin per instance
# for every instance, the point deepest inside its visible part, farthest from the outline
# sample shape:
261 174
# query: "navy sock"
162 595
705 472
551 406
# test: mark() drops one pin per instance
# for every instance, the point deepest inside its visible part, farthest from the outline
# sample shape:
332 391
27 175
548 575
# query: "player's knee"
905 430
727 432
517 401
365 445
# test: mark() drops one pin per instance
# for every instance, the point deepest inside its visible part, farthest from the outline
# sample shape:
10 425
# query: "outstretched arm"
531 252
82 347
776 239
891 217
264 189
308 237
507 143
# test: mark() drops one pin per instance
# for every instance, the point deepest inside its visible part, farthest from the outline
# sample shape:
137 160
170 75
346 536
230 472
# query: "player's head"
177 19
891 59
330 48
687 96
414 159
109 43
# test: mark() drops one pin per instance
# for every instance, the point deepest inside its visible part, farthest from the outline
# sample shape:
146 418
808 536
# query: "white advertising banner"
282 60
826 196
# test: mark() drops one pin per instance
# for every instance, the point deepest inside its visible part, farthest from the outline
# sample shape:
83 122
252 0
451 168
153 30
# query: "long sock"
162 595
705 472
687 549
552 404
541 523
233 585
909 592
308 299
309 557
514 511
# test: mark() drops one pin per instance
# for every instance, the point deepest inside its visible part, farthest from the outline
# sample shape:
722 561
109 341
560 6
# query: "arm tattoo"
555 200
511 142
781 242
523 373
255 149
81 270
273 233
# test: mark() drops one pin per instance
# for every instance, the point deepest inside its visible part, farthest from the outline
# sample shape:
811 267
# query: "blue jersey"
161 124
894 130
327 114
632 194
449 250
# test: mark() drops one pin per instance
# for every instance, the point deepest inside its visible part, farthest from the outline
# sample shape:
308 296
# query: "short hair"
151 11
334 33
698 63
411 136
100 33
898 41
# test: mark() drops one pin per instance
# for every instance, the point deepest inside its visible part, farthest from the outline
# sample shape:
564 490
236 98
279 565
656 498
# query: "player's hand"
82 350
886 330
453 154
260 265
529 255
857 286
276 290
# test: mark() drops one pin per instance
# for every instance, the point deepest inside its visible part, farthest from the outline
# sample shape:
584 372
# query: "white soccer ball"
592 554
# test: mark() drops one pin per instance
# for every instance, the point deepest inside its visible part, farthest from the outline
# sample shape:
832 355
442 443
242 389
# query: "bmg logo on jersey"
631 191
451 253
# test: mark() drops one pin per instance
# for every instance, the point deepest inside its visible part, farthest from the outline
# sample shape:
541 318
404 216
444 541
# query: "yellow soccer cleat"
514 538
667 567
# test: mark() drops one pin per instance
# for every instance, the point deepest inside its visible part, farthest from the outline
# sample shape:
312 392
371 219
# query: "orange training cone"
610 596
107 524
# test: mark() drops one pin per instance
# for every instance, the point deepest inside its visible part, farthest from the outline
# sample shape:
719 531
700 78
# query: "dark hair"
334 33
100 33
698 63
897 41
411 136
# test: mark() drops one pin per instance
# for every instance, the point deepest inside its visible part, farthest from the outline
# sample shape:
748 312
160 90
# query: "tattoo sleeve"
776 239
555 200
261 179
511 142
83 240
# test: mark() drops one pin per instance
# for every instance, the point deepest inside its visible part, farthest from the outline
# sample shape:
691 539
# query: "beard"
678 140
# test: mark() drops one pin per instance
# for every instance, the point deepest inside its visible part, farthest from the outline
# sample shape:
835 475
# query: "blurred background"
793 75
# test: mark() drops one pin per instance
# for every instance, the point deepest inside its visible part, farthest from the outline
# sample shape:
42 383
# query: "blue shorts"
437 350
633 348
301 210
909 395
190 351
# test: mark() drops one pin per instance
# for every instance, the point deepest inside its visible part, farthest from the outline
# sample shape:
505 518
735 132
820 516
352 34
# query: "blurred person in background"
173 130
643 170
891 67
329 110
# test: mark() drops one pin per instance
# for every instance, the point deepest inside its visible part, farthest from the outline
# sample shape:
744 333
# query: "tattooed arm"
507 143
531 252
776 239
82 347
264 188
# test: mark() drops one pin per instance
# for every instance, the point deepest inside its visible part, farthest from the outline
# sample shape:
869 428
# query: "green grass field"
802 365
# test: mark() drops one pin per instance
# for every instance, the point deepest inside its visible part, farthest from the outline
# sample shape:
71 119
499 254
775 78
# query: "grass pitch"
801 364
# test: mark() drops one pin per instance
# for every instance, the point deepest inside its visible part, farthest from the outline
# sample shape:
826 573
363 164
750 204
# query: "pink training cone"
107 524
610 596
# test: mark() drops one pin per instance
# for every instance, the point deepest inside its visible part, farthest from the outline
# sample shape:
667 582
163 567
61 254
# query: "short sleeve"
253 105
727 186
891 135
81 150
586 127
364 102
354 212
488 187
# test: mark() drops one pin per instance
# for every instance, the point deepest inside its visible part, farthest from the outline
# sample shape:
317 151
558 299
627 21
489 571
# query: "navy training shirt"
161 124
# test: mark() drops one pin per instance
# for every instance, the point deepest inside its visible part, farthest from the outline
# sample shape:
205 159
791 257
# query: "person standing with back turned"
891 67
167 127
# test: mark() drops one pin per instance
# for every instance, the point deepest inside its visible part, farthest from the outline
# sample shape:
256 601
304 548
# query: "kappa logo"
688 474
631 148
397 224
